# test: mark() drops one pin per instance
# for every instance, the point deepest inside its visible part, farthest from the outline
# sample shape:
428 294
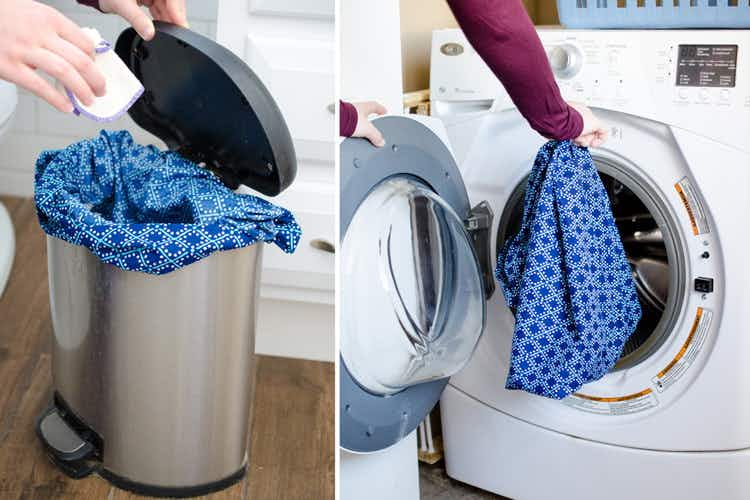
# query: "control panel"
614 70
698 80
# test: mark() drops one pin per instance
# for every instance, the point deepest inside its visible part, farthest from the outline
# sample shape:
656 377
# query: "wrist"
348 118
91 3
576 122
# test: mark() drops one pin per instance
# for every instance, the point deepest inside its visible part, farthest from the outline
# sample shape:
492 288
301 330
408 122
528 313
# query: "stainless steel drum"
160 367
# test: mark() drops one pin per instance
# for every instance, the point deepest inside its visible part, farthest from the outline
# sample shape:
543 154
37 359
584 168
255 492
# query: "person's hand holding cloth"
36 38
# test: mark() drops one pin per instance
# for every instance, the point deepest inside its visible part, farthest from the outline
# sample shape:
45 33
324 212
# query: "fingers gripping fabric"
142 209
566 277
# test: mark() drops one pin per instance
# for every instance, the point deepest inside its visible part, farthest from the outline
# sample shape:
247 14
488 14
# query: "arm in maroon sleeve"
90 3
347 119
504 36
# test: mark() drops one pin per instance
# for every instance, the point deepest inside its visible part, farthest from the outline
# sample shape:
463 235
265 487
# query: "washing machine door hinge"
479 227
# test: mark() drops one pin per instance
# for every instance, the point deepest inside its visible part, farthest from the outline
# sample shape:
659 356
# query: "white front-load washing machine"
672 418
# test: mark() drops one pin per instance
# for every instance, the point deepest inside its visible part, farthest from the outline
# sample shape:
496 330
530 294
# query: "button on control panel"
704 285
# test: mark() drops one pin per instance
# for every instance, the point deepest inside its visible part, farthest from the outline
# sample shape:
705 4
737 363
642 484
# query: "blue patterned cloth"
141 209
566 276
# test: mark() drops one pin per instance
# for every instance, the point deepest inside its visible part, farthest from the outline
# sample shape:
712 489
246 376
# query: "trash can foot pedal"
74 455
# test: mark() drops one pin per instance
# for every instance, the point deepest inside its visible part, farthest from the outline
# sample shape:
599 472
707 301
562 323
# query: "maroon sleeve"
504 36
90 3
347 119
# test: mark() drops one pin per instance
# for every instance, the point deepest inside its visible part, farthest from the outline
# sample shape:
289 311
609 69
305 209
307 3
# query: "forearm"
504 36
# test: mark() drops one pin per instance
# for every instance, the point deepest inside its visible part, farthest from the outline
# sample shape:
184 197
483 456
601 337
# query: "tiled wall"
37 126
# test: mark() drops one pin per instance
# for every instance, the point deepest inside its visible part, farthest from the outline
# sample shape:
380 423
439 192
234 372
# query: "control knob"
565 60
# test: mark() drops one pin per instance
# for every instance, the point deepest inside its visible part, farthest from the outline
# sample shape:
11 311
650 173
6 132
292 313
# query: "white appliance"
672 419
8 103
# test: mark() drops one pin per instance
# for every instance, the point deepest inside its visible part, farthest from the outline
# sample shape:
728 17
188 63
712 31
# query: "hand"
364 127
35 36
594 132
171 11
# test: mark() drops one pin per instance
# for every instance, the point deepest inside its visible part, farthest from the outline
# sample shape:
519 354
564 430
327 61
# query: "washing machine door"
415 275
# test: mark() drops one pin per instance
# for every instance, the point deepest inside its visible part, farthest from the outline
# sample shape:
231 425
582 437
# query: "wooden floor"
292 454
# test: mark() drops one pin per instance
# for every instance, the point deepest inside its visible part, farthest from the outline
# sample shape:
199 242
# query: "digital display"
707 66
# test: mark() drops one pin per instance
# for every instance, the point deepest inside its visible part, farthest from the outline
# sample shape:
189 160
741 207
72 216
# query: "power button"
704 285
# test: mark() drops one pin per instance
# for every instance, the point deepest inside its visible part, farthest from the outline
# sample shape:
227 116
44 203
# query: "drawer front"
312 9
300 75
307 275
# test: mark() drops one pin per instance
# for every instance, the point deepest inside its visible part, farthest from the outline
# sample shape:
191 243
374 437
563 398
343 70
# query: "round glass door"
412 298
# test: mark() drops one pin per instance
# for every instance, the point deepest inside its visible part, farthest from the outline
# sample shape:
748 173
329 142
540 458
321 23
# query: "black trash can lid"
206 103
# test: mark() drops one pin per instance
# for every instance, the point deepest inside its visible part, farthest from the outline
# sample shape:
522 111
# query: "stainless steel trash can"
154 375
160 366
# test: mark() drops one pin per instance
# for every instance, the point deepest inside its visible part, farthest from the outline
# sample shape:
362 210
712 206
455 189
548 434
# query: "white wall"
37 126
370 53
418 20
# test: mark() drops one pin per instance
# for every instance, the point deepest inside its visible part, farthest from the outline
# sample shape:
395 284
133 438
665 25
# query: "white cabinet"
299 73
308 274
290 46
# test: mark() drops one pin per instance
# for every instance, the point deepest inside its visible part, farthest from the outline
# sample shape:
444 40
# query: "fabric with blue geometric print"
566 277
142 209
